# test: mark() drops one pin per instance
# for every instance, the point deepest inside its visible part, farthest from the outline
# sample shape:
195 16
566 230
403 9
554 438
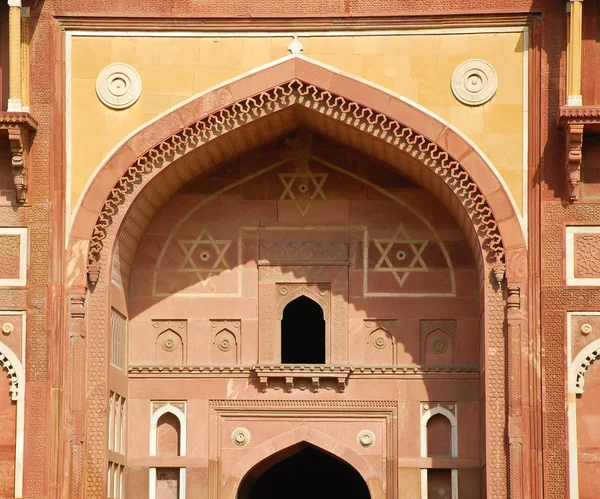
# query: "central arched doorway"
303 471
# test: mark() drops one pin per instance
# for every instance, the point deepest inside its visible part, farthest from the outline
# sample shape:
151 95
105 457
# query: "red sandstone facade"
146 323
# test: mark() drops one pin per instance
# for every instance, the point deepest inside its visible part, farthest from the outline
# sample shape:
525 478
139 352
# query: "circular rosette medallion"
474 82
366 438
118 86
240 437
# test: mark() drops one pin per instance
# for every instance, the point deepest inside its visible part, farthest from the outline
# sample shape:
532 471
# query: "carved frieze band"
300 93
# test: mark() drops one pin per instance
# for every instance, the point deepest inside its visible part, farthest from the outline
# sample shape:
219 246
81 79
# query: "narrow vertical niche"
168 435
303 332
439 436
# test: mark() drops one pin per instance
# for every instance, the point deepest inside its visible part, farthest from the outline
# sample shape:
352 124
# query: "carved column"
76 394
574 54
15 102
515 425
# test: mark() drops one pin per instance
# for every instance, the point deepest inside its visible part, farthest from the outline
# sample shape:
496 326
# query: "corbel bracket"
574 120
20 128
574 155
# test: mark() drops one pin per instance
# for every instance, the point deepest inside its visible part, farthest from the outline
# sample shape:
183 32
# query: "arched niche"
123 197
177 413
442 412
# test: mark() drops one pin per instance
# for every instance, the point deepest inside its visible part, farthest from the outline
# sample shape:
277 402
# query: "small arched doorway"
303 471
303 332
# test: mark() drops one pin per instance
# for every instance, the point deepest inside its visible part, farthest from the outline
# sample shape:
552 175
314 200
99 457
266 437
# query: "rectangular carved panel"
13 256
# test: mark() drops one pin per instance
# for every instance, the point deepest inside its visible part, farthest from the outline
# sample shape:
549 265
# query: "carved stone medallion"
240 437
118 86
474 82
366 438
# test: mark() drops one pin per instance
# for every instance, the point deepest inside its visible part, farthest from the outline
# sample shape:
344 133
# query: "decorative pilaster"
15 102
24 55
515 424
574 97
76 402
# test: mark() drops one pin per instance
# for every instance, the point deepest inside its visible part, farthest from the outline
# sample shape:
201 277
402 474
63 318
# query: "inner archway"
303 332
303 471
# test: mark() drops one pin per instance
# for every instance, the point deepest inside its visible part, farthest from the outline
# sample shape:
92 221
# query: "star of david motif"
415 262
204 255
300 192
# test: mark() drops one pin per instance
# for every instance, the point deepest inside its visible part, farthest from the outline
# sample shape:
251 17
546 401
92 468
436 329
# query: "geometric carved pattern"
204 255
308 190
13 256
582 255
587 255
301 251
299 93
400 243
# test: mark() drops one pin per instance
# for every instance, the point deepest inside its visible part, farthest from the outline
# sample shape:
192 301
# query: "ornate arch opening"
144 172
288 473
278 448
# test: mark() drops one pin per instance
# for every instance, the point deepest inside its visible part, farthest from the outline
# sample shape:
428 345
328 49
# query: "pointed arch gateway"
258 107
275 450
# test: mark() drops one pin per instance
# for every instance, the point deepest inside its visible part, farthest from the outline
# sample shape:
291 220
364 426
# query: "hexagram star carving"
316 179
417 264
206 270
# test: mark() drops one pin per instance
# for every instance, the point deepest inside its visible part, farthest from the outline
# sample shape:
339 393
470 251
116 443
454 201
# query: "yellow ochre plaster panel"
415 66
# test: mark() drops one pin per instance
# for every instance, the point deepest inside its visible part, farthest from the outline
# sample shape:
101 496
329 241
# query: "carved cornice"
296 92
583 115
282 370
188 23
20 128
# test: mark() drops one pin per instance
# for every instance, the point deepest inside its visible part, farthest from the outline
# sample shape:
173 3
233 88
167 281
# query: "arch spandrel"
296 80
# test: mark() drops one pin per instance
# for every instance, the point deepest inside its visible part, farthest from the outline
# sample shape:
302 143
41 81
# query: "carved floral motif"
366 439
240 437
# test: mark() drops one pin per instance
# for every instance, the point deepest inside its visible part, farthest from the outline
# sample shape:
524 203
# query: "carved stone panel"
225 345
326 285
438 339
582 253
13 256
170 342
380 342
